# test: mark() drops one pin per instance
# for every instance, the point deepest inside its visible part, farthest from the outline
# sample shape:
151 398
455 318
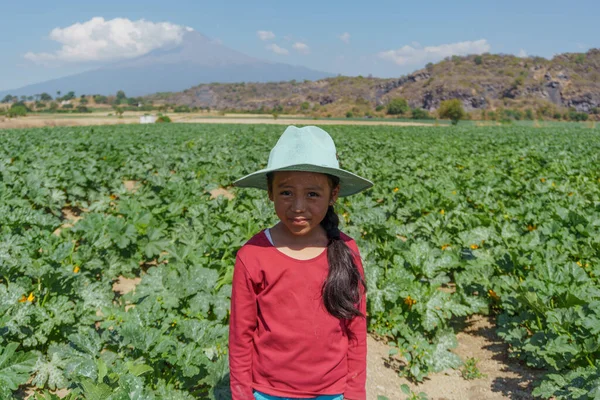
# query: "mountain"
483 82
197 59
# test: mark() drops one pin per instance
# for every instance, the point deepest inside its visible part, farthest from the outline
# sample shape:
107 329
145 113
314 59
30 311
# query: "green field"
464 220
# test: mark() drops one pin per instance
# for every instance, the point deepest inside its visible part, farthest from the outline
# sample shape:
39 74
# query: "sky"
43 40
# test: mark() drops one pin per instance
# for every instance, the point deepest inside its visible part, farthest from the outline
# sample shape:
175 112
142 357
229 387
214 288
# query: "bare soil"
503 379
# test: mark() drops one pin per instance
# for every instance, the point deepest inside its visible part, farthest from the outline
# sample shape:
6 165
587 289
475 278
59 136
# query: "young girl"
297 326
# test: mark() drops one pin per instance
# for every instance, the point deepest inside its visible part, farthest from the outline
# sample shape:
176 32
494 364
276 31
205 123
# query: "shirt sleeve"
242 324
357 346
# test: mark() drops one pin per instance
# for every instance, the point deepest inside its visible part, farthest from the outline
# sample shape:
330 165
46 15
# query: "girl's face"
301 199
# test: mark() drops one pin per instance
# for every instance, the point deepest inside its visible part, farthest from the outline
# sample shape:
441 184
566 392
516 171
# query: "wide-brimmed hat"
308 149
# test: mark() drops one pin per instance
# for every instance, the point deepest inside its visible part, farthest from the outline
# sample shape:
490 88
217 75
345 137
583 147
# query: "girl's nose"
299 204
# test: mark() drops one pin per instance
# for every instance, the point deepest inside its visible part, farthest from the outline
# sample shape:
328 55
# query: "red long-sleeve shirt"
282 340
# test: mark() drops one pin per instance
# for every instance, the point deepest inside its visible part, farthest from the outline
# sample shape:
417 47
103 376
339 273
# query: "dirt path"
43 120
504 379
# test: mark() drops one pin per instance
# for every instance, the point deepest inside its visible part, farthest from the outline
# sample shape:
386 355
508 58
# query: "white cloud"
345 37
522 53
301 47
265 35
409 55
100 40
278 50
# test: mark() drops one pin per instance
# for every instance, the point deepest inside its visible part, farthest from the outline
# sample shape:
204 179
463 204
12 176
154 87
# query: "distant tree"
20 104
83 109
478 60
9 98
57 94
83 101
23 97
39 104
67 106
397 106
118 110
69 96
45 97
349 114
99 99
452 110
29 98
121 95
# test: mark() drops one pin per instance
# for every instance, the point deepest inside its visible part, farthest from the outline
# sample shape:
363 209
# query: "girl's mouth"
299 221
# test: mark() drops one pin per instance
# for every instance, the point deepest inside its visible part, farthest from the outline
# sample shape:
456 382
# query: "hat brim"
349 183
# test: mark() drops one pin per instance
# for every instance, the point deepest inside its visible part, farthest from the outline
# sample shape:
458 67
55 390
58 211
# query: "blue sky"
383 38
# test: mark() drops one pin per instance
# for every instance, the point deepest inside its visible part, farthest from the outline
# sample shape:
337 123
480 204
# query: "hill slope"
480 82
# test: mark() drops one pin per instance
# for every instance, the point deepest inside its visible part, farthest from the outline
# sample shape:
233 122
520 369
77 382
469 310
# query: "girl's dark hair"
342 288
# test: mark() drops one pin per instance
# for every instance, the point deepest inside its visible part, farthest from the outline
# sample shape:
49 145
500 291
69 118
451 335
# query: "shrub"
397 106
478 60
379 108
304 106
349 114
529 114
83 109
578 116
163 119
452 110
419 113
595 110
67 106
557 115
17 111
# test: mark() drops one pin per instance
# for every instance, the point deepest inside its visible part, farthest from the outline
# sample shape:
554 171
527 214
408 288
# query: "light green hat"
309 149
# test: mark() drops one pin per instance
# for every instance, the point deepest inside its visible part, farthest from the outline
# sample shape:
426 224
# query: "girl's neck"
282 237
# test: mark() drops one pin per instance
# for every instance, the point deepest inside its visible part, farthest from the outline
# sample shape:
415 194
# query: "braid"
341 289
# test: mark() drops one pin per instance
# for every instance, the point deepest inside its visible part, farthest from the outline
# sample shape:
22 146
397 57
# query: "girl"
297 327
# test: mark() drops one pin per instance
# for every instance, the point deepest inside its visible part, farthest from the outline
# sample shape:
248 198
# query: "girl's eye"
285 193
313 194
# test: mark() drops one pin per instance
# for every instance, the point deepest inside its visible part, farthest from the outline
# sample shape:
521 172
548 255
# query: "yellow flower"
579 263
542 180
474 247
493 295
76 269
444 247
409 301
454 192
396 189
531 227
23 299
442 211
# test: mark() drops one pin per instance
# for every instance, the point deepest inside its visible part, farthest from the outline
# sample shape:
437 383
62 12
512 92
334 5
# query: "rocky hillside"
484 82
